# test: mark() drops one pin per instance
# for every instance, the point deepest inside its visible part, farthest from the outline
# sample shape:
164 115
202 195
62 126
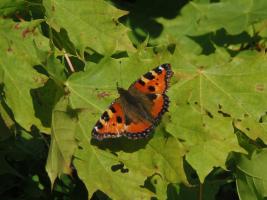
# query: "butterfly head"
122 91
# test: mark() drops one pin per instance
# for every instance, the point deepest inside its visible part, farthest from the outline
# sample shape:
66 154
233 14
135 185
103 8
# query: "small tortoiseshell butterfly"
138 110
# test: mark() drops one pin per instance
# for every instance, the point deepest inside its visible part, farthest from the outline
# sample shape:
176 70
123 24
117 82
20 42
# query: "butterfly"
139 109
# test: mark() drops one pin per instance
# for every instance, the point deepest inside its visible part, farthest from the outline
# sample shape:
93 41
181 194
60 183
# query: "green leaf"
211 142
161 158
246 187
91 24
251 179
8 7
209 97
16 68
225 15
63 143
56 70
44 100
174 23
161 155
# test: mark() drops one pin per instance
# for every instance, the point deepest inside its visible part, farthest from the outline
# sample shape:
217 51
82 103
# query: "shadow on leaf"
143 14
121 144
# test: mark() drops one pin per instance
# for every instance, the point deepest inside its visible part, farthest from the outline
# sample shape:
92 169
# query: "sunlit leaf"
209 98
18 76
91 24
63 142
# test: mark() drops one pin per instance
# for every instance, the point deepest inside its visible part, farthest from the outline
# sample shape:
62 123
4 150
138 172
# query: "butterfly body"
139 109
135 105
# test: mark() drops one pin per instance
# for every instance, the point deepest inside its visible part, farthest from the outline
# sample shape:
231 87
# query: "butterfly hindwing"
111 123
138 130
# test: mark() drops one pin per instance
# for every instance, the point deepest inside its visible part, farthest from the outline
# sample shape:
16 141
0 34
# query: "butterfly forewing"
154 81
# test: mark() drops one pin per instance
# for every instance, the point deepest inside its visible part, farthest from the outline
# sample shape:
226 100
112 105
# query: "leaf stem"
200 191
69 62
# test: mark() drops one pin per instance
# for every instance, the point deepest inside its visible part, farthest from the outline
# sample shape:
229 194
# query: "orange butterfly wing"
111 123
155 84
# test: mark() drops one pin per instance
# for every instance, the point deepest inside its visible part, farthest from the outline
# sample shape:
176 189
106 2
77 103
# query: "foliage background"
210 145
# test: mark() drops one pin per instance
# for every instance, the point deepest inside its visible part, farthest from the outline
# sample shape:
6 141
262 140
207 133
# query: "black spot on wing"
149 76
112 109
105 116
152 96
119 120
151 88
140 135
141 82
166 66
99 125
157 70
169 73
127 120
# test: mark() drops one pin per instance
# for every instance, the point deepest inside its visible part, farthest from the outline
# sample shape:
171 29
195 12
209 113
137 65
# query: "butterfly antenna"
117 84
